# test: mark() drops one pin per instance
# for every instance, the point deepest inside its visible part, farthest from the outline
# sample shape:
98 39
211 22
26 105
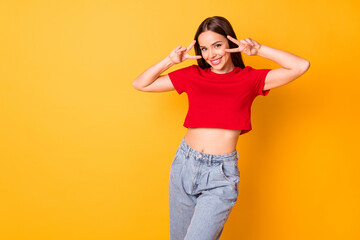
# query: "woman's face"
212 47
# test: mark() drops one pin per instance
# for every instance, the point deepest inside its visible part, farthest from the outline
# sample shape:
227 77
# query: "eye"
218 45
202 49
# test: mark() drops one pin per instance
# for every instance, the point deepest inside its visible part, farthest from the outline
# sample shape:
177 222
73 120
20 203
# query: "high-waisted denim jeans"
203 189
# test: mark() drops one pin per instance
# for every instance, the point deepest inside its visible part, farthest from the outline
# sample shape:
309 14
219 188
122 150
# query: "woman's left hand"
248 46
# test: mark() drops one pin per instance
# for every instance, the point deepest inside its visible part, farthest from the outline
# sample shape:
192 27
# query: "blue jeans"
203 189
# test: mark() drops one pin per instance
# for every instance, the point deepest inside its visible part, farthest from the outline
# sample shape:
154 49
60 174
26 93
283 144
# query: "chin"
219 66
216 66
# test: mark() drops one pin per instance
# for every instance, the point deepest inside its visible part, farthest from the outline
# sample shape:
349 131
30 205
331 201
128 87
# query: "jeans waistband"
233 156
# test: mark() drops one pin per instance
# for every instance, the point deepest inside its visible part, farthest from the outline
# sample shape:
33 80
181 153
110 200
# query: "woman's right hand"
180 54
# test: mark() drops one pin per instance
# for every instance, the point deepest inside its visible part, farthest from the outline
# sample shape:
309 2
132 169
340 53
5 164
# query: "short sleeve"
259 76
180 77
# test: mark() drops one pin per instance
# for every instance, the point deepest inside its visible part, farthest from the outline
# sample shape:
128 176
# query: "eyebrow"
212 44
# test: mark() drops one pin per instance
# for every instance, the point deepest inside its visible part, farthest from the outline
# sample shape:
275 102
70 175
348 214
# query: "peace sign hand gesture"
248 46
180 54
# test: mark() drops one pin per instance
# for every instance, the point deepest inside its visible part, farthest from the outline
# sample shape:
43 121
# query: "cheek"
226 54
222 52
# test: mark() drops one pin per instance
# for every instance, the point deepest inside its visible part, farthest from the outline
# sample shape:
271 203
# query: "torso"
212 140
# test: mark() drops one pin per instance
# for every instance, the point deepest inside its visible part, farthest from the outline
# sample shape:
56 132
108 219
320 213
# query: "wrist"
260 50
168 61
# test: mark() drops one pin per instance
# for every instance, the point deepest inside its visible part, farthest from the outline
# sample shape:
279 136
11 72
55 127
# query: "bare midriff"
212 140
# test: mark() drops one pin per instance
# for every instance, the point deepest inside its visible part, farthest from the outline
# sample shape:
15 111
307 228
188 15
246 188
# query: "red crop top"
219 100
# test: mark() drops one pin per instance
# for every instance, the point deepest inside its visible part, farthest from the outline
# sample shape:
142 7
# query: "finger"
190 46
194 57
245 44
181 49
177 48
248 40
247 50
233 39
232 50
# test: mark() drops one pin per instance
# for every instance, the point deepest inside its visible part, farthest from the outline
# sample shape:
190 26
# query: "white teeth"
216 62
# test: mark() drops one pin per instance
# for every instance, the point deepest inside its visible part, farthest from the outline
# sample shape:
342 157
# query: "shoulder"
190 67
256 71
189 70
193 68
248 69
183 74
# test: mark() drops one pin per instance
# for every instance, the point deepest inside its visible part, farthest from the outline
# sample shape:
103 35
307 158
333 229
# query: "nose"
212 53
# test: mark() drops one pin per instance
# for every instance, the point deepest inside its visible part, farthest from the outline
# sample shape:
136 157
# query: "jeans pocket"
230 171
178 158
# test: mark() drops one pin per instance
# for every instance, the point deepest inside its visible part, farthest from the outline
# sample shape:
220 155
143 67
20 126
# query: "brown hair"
221 26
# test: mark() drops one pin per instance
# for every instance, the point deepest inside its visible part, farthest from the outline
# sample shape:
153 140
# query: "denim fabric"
203 189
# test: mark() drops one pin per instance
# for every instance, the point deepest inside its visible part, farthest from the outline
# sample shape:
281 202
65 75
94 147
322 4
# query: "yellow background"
83 155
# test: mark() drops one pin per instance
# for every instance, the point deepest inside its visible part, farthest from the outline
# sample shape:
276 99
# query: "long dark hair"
221 26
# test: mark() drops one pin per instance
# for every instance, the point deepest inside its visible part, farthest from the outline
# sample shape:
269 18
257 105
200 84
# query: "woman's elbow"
305 66
135 85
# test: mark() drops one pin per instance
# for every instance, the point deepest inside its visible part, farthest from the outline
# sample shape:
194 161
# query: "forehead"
209 37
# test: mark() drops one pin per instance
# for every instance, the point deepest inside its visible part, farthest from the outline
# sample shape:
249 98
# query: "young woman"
204 175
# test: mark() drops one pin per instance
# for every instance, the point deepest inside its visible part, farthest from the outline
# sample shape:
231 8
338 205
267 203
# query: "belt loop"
209 162
187 154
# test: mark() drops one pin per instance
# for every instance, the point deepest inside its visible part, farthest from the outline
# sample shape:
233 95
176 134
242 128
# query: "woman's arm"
149 81
293 66
152 73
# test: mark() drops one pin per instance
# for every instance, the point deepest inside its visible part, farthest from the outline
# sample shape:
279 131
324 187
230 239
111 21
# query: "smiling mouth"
215 62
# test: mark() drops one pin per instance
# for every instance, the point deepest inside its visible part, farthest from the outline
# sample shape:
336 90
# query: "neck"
226 69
